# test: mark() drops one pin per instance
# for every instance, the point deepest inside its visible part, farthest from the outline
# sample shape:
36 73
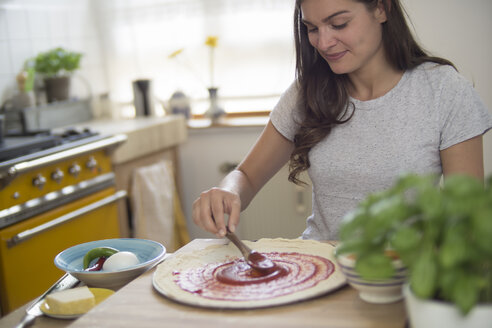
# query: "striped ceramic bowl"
374 291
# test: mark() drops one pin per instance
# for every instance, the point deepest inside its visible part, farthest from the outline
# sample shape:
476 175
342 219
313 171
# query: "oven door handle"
26 234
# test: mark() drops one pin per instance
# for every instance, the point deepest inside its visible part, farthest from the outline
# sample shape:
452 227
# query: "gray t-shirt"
431 108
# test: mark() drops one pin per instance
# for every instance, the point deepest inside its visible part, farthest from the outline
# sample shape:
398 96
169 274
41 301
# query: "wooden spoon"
256 260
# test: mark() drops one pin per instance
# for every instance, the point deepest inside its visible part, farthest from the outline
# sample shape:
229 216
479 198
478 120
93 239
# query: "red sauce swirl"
237 281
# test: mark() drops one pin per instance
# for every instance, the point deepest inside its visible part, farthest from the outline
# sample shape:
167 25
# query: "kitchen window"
254 59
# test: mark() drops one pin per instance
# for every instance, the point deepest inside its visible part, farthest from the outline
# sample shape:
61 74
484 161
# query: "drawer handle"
26 234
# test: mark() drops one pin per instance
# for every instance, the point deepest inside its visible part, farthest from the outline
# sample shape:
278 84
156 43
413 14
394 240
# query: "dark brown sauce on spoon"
261 263
257 261
240 273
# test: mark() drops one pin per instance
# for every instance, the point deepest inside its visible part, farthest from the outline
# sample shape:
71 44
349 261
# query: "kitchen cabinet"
280 209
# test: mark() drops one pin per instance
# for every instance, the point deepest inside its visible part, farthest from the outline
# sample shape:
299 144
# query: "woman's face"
345 33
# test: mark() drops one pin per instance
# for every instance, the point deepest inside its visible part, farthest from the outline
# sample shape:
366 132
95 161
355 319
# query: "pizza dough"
189 277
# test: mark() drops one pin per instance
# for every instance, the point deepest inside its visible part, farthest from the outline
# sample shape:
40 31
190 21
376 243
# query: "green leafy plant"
443 235
57 62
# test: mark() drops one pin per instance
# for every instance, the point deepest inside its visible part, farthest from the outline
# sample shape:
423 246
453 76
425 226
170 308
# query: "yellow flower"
211 41
175 53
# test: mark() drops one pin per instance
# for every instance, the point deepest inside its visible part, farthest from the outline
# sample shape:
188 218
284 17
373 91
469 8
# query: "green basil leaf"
447 281
465 293
405 239
462 186
451 254
430 202
482 228
454 249
423 277
353 246
375 266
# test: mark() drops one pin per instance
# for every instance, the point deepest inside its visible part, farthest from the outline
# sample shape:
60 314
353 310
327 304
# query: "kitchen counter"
146 134
138 304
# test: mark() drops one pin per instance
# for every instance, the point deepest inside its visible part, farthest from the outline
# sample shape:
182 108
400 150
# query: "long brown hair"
323 96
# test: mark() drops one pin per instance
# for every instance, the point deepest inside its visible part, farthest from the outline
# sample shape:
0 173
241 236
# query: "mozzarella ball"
119 261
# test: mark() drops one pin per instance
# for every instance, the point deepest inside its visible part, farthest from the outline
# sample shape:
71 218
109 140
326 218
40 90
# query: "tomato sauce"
237 281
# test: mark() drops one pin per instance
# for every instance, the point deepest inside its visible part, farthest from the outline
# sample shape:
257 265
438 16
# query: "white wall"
28 27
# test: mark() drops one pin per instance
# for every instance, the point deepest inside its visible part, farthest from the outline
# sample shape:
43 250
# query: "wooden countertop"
138 304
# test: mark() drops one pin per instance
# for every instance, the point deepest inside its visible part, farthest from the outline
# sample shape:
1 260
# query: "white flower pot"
431 313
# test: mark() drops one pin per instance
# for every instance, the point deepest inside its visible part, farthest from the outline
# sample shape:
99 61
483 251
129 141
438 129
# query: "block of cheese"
71 301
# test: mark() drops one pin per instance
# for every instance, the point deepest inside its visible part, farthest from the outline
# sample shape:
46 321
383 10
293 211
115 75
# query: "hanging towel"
157 213
181 235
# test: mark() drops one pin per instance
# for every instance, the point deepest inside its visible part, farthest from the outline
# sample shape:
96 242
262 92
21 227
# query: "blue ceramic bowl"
148 252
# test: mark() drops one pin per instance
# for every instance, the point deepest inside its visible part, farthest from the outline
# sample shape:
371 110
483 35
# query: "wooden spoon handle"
245 250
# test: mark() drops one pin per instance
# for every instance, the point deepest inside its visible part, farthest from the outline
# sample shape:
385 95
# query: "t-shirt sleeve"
285 114
463 114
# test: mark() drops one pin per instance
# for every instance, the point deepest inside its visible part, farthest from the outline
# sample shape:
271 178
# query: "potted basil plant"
443 235
56 67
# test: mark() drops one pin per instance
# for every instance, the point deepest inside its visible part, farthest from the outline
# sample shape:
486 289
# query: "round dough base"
164 276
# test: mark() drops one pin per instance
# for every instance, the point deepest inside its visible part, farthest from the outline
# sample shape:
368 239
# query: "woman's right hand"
210 208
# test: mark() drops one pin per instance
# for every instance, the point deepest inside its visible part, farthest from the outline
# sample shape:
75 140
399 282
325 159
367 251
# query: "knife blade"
34 309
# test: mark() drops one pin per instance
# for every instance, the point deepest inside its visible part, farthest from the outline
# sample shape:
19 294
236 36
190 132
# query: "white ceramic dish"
374 291
148 252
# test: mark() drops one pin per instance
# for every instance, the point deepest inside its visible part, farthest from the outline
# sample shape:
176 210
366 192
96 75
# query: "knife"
34 309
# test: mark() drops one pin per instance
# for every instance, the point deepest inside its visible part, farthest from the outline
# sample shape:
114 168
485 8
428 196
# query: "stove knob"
74 170
57 175
91 163
39 181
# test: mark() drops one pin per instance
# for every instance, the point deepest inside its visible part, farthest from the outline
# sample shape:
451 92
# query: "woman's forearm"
238 182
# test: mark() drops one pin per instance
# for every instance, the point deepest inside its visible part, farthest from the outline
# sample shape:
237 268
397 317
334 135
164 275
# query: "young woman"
368 105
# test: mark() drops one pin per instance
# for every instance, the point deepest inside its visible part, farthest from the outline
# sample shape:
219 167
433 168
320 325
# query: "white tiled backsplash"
28 27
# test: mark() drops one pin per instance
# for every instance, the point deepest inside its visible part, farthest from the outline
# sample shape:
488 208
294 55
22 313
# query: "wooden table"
139 305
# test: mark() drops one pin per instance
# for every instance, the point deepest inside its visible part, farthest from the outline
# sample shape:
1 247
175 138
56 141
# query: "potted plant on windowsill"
443 235
56 67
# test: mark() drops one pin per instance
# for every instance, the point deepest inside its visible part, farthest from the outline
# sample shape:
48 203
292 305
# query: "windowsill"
228 121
